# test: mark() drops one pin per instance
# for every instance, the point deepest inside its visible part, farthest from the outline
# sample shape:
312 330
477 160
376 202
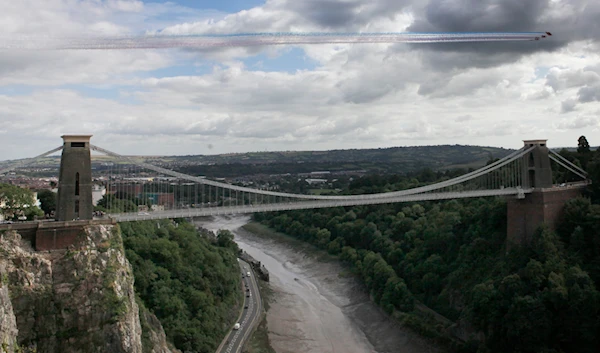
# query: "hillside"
440 155
432 156
384 160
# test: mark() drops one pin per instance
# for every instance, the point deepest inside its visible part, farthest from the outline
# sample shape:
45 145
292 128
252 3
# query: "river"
314 307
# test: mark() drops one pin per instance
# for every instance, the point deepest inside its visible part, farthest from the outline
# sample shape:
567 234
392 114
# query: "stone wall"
57 238
543 206
50 235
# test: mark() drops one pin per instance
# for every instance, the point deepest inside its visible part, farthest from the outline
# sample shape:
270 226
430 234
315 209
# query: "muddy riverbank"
315 307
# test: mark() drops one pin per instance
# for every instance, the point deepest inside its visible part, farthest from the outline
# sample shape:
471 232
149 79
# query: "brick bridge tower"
544 204
75 179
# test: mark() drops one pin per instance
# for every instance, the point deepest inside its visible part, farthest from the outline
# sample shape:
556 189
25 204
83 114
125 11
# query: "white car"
236 326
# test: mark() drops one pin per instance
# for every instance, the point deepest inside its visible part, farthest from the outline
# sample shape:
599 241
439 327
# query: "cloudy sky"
301 97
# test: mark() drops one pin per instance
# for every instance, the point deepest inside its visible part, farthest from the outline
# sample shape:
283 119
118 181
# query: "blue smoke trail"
204 41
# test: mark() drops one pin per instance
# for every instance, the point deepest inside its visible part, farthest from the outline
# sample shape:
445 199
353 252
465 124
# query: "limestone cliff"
154 339
8 324
75 300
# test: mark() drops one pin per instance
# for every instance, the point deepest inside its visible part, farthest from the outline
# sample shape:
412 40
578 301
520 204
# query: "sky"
299 97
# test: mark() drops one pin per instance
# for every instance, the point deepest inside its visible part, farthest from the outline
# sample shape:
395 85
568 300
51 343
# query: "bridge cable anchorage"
568 167
570 164
477 173
28 161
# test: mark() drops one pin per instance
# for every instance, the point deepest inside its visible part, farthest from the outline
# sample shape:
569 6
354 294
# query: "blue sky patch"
229 6
16 90
289 60
185 69
541 71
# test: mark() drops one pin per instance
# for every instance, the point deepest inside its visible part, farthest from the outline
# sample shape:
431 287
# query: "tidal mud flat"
315 307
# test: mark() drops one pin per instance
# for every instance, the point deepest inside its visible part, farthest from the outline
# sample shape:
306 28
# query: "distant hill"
377 160
380 160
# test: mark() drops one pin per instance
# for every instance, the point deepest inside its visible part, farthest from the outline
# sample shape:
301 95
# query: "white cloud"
375 95
579 122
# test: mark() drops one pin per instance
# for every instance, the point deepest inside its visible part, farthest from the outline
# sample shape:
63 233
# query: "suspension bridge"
130 189
153 192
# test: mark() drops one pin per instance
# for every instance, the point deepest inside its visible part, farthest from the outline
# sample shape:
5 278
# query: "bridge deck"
198 212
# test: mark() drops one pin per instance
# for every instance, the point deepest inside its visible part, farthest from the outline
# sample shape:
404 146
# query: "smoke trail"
256 39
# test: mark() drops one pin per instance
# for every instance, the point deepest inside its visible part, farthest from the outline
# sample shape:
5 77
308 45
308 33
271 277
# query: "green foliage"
111 203
18 202
32 213
225 240
586 159
451 256
47 200
186 281
583 146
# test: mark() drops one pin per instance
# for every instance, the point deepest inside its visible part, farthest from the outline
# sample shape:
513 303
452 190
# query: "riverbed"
316 307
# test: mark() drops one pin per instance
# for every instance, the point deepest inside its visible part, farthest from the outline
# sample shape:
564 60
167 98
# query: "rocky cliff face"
76 300
8 324
154 339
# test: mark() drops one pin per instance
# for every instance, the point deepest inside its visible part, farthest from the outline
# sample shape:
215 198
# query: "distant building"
126 188
98 191
158 207
38 203
312 181
161 198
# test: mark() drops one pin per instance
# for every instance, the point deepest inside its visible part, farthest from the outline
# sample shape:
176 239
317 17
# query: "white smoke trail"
201 41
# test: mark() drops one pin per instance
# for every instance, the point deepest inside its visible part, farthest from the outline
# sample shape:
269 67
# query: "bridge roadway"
301 205
249 317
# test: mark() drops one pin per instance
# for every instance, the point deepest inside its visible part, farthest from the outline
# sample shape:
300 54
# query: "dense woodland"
188 281
453 258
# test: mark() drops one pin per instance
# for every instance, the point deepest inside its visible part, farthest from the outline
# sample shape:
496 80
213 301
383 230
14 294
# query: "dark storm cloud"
568 21
344 14
481 15
326 13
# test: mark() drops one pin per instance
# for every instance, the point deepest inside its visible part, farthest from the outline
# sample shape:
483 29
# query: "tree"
583 146
112 204
15 200
33 213
225 239
593 168
322 238
48 201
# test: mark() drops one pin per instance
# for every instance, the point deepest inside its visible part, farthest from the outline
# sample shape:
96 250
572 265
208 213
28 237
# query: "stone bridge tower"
544 204
536 166
75 179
